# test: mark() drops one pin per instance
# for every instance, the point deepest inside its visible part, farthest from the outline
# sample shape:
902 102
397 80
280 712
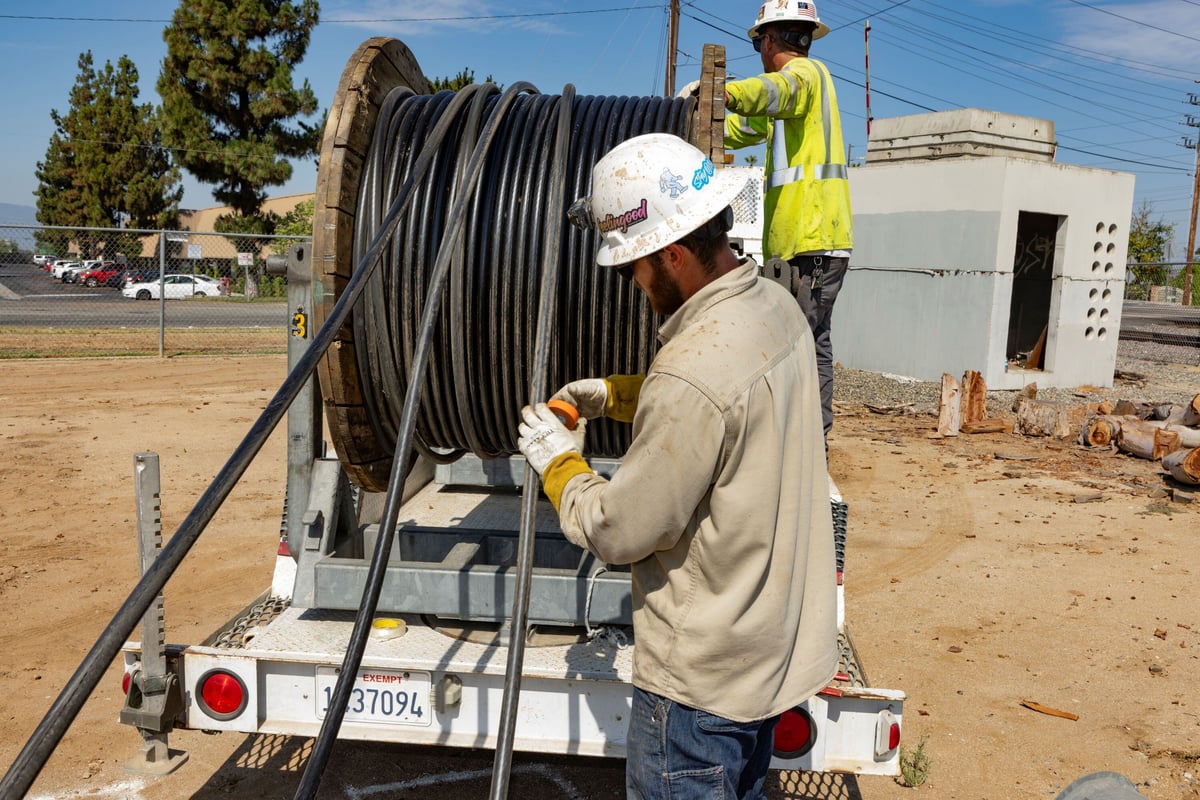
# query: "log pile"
1168 433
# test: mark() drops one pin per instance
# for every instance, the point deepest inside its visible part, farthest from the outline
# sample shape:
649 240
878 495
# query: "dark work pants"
816 281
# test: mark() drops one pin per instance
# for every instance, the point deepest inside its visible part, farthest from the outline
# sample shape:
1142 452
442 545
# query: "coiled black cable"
482 353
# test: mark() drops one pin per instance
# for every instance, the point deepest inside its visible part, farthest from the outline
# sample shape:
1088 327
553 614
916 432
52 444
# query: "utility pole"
867 66
672 47
1191 251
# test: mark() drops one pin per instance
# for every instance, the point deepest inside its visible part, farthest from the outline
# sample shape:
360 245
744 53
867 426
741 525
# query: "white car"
176 286
61 266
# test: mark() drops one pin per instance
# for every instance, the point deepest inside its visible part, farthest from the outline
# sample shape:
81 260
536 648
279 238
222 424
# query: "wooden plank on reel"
378 66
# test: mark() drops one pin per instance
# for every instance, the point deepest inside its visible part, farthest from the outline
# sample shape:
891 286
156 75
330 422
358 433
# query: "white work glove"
544 438
589 396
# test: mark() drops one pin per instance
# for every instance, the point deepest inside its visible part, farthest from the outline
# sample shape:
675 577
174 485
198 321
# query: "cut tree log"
1036 418
950 406
1184 465
1140 438
1188 437
1100 431
973 397
1191 413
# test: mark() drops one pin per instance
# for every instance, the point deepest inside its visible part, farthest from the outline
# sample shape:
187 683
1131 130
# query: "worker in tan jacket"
721 502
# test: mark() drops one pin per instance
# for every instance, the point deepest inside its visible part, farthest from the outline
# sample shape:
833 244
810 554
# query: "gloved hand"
690 90
544 438
589 396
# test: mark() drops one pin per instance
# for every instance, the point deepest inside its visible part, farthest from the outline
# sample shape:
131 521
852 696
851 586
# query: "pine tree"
465 77
104 165
229 96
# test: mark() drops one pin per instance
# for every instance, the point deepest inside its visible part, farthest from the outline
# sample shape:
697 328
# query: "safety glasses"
757 42
626 270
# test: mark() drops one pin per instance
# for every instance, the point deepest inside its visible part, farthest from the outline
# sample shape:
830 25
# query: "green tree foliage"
231 110
104 165
465 77
1148 246
297 222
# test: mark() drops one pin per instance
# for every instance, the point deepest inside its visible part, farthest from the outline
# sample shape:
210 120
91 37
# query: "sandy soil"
975 582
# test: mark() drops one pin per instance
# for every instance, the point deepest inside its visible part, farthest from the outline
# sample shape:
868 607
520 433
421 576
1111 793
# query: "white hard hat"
788 11
651 191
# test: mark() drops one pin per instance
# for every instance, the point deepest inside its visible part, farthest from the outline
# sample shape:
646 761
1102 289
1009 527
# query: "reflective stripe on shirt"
821 172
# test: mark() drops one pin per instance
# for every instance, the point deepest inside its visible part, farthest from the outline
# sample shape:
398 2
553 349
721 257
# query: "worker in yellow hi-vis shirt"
793 107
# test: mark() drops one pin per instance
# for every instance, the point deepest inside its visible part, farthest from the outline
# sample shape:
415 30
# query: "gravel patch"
1144 372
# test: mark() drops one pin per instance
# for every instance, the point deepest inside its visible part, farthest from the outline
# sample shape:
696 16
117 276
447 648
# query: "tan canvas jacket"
721 505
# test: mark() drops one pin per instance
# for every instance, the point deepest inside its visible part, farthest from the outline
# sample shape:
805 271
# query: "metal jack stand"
154 698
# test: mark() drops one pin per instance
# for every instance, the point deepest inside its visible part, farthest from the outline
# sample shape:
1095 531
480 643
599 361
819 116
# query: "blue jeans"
816 281
680 753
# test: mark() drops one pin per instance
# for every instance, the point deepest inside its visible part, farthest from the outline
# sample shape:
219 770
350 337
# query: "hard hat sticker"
704 174
622 222
670 182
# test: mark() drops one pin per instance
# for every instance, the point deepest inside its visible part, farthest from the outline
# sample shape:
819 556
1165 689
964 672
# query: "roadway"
29 297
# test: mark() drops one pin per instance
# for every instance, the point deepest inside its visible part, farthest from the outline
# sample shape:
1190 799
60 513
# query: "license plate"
390 697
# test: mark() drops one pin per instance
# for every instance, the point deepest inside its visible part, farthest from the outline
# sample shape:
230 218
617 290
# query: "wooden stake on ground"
987 426
974 397
950 406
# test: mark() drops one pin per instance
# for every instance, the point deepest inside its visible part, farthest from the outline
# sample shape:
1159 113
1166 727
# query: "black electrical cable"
423 338
65 708
482 356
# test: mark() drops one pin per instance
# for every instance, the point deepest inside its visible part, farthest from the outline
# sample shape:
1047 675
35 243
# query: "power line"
1134 21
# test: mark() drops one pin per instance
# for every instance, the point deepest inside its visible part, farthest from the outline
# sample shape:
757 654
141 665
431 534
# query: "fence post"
162 294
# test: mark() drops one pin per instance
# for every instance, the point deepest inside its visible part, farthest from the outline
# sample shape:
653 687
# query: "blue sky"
1114 77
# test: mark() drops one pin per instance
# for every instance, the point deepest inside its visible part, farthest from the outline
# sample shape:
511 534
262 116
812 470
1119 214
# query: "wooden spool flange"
377 66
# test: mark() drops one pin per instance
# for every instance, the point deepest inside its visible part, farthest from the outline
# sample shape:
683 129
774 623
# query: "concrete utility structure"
973 249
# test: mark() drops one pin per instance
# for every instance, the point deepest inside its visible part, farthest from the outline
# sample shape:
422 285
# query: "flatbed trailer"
430 678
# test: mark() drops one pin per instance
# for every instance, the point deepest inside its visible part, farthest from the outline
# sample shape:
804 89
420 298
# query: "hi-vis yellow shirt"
807 206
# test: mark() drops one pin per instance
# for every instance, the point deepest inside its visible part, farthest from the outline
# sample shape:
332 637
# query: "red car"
107 274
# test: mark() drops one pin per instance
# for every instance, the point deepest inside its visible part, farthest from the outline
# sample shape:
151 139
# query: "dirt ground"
976 582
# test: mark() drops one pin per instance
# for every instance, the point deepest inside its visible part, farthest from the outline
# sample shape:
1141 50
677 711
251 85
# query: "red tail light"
887 733
126 682
795 734
221 694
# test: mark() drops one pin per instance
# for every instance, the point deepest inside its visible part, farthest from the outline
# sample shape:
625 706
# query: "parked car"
109 273
175 286
139 276
71 274
62 265
43 260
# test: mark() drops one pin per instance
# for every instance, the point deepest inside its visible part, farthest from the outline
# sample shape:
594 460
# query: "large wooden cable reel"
378 66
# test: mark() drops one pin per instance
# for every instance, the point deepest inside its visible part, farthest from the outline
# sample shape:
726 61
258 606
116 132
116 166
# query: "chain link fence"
120 292
1156 325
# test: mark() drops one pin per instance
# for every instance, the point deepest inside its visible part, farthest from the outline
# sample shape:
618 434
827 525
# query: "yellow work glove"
615 396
